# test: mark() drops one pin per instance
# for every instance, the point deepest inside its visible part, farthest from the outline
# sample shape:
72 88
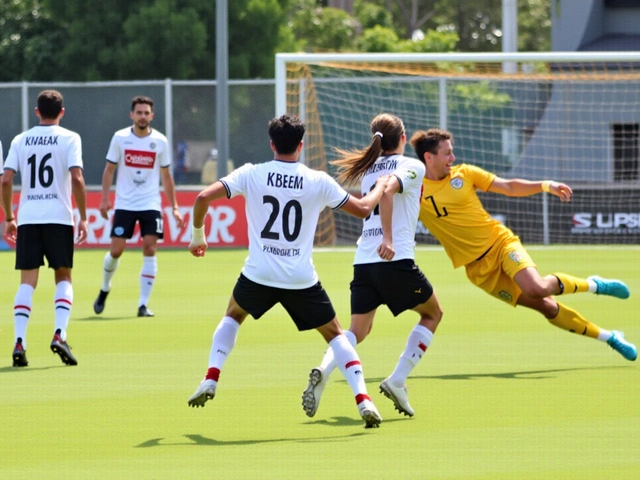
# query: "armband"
546 186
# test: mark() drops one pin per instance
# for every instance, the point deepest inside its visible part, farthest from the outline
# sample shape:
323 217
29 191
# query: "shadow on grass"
29 369
349 422
199 440
519 375
103 318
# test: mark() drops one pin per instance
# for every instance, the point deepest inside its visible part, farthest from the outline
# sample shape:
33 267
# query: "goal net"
570 117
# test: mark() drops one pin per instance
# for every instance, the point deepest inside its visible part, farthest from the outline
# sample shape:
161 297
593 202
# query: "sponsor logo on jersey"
515 256
456 183
506 296
139 159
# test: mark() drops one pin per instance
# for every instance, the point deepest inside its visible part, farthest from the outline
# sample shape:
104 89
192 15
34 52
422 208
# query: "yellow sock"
572 321
571 284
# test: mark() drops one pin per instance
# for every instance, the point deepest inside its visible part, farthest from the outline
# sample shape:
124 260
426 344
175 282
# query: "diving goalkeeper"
493 257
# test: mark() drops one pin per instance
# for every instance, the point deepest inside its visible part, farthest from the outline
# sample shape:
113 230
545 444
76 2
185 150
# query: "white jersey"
283 203
139 160
406 207
44 155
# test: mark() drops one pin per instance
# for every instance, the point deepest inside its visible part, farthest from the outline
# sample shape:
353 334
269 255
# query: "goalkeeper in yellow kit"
493 257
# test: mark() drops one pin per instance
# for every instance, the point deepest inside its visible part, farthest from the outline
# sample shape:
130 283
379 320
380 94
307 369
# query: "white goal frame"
505 62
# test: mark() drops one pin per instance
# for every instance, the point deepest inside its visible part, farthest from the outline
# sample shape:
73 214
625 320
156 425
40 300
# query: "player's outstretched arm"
198 245
517 187
362 207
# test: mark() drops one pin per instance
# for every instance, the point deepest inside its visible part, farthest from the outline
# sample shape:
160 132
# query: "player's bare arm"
10 226
362 207
523 188
198 245
386 251
170 193
107 181
80 195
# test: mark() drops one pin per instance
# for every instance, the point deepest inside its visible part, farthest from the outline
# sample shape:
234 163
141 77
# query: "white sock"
604 335
224 339
110 265
21 311
417 344
328 363
349 364
593 288
147 278
62 302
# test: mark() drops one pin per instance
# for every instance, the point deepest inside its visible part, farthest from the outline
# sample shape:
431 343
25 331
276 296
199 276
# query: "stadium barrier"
225 223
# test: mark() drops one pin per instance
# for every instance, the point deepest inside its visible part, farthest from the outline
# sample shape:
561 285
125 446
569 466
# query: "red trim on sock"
361 397
212 374
62 300
352 363
147 276
422 347
21 306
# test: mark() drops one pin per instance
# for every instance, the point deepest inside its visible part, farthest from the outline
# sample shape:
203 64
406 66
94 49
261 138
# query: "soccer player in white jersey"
284 199
388 234
143 159
49 159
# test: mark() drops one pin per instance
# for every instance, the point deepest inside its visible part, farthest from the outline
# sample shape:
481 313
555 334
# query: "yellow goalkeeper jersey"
451 210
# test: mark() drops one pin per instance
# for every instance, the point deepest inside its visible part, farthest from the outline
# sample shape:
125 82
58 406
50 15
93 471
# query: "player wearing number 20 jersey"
284 201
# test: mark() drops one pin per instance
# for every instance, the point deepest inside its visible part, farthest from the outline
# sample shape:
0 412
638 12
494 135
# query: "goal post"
567 116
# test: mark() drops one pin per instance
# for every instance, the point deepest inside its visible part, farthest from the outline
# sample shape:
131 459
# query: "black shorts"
124 223
400 285
309 308
39 241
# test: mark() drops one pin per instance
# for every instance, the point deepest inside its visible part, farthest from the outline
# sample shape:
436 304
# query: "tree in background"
29 41
88 40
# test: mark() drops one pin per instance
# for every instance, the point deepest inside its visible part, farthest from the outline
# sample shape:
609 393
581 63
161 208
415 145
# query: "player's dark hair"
424 141
143 100
286 133
50 104
387 130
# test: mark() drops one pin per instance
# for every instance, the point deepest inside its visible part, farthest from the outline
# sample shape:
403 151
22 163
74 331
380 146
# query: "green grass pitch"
500 394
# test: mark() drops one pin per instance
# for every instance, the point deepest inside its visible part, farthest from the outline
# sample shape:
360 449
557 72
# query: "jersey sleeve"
75 152
410 176
165 156
113 155
334 195
480 178
236 182
13 162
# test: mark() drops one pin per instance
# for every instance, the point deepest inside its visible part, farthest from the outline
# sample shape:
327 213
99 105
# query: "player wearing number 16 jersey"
49 159
284 199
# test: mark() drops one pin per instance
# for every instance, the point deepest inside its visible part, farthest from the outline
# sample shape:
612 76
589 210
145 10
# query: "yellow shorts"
494 272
